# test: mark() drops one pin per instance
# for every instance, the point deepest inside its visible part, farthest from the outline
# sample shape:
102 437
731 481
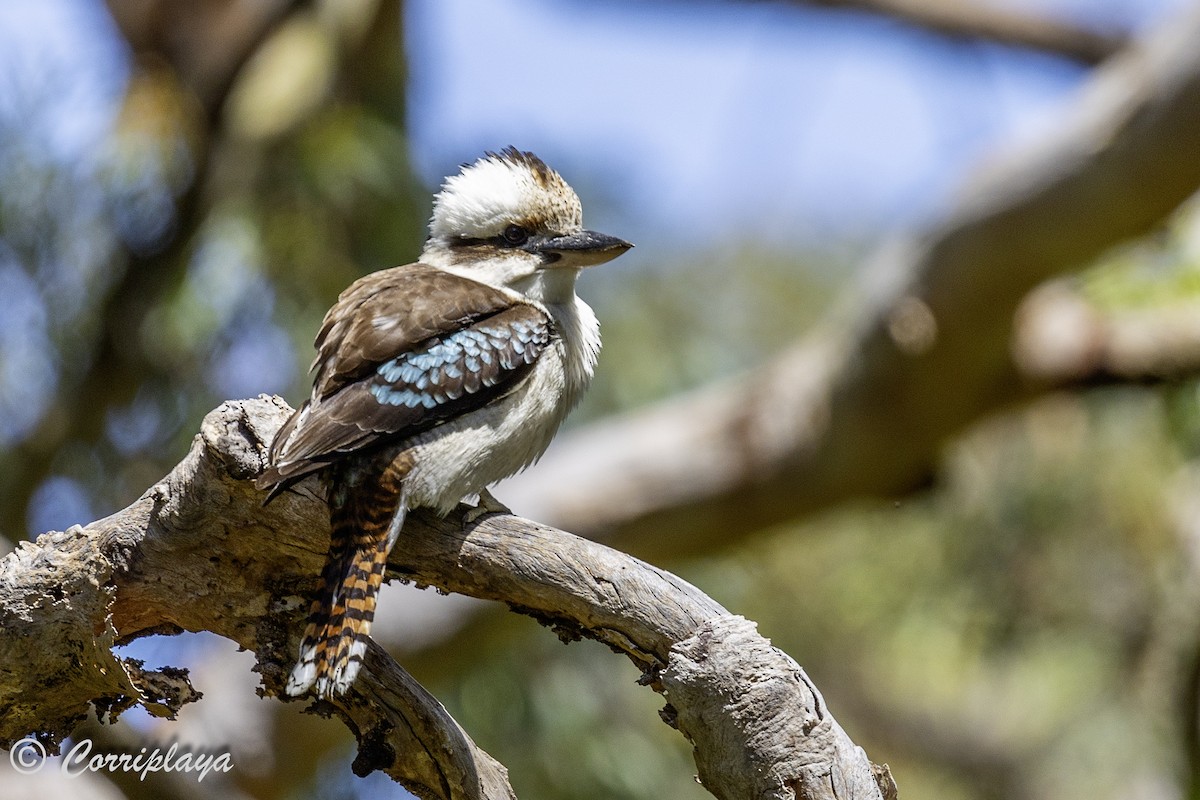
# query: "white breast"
463 456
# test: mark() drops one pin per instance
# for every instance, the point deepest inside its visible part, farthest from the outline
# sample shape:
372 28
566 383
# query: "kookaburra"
436 379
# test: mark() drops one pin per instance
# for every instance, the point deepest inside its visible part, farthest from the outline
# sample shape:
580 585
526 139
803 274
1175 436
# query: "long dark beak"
582 249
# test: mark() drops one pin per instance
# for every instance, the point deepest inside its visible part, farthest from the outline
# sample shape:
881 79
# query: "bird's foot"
487 504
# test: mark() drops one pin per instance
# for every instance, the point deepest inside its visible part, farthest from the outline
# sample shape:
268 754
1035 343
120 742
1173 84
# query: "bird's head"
510 220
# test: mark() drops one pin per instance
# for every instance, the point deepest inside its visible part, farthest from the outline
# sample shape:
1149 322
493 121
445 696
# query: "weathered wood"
770 730
200 552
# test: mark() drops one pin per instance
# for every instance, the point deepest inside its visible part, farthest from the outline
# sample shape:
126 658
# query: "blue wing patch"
462 362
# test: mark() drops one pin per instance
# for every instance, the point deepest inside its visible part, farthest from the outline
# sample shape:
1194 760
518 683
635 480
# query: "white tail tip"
304 674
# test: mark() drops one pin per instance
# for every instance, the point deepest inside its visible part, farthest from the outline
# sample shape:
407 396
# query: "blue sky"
687 120
682 125
69 45
771 121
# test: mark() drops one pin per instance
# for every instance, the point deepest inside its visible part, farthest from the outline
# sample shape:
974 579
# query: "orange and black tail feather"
365 525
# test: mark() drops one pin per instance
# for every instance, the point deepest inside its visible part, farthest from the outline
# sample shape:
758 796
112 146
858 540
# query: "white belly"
463 456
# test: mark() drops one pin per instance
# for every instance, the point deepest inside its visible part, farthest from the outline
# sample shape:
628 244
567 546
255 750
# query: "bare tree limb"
199 551
977 20
863 406
984 21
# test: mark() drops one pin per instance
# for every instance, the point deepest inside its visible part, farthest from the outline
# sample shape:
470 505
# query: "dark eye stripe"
513 236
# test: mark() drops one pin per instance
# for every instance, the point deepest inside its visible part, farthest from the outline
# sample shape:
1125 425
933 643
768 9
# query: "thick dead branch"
863 406
757 724
199 551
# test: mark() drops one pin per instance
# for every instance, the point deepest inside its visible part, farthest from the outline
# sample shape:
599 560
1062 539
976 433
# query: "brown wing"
393 311
400 352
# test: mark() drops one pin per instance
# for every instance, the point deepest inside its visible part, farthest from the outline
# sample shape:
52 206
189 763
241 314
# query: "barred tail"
343 607
339 622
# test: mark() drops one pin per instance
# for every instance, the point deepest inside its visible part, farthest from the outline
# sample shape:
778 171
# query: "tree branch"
864 405
977 20
199 551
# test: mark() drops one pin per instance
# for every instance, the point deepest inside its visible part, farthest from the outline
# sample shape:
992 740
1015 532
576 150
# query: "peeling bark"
200 552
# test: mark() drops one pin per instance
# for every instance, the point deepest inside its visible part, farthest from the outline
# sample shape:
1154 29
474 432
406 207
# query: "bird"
436 379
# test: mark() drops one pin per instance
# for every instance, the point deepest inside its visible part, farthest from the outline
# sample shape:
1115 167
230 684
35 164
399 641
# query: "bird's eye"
516 235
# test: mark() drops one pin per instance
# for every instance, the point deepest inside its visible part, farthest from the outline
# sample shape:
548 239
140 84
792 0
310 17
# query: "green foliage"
185 264
671 327
568 722
1159 272
1002 636
1023 630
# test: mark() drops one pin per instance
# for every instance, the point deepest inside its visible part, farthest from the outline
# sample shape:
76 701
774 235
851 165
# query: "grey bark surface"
200 552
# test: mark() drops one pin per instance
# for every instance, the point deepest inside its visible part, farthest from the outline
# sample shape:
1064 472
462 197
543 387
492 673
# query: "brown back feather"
380 317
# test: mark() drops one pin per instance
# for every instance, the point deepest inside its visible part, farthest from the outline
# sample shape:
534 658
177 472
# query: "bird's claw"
487 504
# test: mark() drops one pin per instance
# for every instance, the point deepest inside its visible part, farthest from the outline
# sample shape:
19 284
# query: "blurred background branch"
864 405
978 20
184 189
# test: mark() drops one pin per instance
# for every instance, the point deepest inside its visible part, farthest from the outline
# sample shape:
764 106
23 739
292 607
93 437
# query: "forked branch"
200 552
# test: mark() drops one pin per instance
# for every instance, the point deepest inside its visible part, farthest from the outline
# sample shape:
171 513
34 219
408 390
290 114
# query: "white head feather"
498 190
